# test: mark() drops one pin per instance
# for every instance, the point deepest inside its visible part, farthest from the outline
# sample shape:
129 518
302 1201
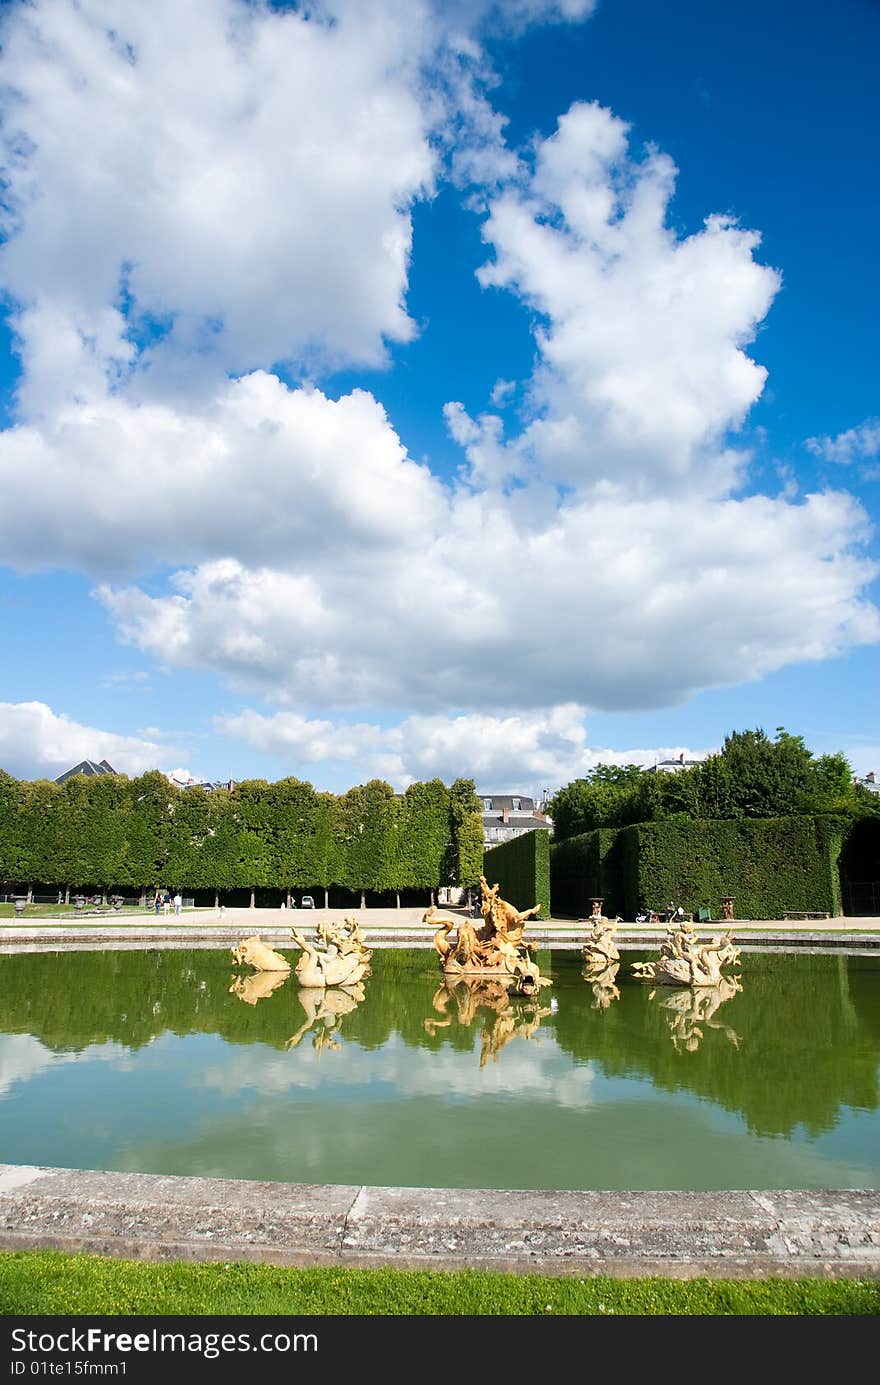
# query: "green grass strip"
53 1283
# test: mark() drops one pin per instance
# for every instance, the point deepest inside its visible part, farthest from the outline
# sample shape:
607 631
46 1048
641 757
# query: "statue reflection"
258 986
691 1009
325 1010
503 1013
601 959
602 977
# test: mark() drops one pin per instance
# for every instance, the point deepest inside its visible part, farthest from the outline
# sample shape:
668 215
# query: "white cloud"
514 15
856 444
506 751
37 743
218 186
222 185
642 367
259 470
239 177
609 604
502 391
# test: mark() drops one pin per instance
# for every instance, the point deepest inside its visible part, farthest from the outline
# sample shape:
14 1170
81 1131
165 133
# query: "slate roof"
90 768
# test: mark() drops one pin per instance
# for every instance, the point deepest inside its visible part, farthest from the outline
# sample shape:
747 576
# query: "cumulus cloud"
183 178
241 196
259 470
856 444
37 743
512 753
611 604
642 369
223 185
519 748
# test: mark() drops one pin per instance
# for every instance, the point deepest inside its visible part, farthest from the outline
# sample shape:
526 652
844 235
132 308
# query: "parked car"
307 902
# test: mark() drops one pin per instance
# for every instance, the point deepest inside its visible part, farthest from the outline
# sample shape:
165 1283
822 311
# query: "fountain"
685 961
497 949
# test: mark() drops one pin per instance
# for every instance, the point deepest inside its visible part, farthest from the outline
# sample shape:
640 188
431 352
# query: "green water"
146 1061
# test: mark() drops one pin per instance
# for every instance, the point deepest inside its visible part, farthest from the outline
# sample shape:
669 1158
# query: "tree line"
141 833
753 776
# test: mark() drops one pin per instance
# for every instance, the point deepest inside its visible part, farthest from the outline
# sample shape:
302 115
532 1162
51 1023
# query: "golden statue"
685 961
600 948
496 949
252 952
320 967
343 939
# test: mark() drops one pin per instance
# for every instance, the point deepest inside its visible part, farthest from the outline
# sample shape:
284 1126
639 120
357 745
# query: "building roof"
208 785
500 801
670 766
88 767
519 823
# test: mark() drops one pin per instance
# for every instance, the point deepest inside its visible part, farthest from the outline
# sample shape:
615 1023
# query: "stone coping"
682 1235
390 922
565 937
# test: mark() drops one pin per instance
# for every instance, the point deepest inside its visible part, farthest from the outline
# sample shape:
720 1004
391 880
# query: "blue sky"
414 389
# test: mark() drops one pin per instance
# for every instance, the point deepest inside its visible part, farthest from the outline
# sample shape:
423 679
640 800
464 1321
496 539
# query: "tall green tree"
253 839
465 810
39 831
153 813
768 778
367 824
422 842
304 834
10 796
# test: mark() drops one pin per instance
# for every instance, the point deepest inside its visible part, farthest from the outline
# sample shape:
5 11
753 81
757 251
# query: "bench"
805 914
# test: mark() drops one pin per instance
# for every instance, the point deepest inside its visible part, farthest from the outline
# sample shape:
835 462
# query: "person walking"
166 902
178 903
157 901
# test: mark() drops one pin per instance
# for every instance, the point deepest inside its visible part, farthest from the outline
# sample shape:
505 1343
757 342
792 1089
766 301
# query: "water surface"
147 1061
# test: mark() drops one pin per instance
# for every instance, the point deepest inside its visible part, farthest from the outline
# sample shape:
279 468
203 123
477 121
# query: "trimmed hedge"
133 835
521 867
586 868
767 865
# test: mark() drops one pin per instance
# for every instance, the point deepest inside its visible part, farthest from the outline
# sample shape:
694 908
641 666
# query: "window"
487 805
517 805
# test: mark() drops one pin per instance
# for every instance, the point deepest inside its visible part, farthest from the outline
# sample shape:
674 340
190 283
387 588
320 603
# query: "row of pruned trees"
136 834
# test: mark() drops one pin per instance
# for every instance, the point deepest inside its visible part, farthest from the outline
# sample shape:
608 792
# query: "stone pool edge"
747 1234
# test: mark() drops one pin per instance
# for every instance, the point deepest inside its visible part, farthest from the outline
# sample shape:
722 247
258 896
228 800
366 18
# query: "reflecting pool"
168 1061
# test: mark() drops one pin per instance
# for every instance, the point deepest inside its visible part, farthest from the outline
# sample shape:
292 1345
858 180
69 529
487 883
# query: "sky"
406 389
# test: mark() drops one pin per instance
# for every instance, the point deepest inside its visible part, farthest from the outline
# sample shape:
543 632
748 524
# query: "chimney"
870 776
681 758
505 815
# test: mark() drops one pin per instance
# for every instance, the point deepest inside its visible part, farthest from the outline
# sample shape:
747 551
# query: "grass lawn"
52 1283
64 913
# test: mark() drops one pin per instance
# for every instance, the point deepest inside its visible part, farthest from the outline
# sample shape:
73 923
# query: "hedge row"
133 834
767 865
521 868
